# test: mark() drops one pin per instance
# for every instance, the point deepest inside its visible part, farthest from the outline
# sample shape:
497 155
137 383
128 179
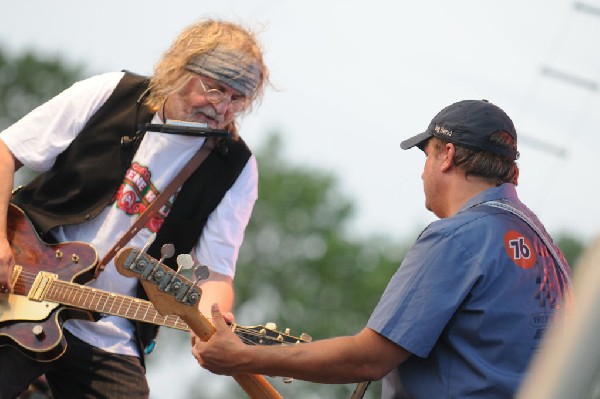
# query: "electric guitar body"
26 320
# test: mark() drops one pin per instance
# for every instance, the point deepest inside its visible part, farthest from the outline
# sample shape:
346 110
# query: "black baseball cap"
469 123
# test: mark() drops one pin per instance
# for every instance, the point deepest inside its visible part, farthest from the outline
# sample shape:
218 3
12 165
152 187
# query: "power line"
544 146
570 78
583 7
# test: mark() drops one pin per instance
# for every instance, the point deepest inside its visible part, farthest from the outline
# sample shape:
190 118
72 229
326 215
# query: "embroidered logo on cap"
442 130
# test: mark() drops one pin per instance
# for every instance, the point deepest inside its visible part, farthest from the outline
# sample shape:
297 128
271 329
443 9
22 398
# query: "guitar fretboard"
100 301
104 302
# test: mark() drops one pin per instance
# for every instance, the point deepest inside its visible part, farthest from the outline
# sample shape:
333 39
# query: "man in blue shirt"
467 308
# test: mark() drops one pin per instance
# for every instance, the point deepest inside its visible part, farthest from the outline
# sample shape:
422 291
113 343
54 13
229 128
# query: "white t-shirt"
38 138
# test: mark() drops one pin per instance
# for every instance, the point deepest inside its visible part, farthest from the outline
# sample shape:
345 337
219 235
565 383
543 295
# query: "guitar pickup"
41 285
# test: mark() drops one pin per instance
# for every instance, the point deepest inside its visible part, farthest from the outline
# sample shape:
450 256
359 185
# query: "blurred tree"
572 247
298 265
299 268
26 81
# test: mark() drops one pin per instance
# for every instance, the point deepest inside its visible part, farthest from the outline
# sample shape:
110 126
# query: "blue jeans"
83 371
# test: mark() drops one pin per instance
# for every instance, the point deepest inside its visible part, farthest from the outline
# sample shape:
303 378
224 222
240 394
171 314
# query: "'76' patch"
519 249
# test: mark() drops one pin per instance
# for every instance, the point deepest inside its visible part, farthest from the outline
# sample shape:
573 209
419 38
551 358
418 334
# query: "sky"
352 79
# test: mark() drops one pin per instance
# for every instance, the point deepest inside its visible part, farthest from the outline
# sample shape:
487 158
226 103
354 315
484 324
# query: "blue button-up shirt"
470 301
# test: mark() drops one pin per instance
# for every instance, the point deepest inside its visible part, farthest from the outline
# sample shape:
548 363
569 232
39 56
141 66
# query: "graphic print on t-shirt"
137 192
519 249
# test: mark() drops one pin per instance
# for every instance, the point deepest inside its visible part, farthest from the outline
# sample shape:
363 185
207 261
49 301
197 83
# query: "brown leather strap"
159 201
360 390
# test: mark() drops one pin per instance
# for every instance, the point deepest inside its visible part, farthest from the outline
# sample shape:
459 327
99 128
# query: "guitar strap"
359 391
193 164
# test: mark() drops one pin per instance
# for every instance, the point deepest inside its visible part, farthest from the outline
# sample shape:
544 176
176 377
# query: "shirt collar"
503 191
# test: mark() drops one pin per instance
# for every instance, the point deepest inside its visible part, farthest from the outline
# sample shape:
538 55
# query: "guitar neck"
92 299
45 287
182 301
256 386
83 297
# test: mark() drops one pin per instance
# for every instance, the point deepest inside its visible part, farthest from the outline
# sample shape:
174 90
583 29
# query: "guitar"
47 291
30 317
173 294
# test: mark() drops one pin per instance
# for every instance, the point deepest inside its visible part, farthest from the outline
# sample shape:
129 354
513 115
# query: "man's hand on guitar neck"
227 316
224 354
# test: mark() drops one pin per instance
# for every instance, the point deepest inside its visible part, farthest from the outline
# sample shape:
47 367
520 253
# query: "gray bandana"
228 68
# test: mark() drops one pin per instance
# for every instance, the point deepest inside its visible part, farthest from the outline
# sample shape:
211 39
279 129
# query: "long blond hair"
170 73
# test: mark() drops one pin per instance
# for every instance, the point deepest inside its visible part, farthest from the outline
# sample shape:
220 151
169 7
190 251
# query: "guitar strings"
252 332
64 291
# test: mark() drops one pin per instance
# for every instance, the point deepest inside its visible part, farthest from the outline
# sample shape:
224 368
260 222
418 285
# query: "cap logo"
442 130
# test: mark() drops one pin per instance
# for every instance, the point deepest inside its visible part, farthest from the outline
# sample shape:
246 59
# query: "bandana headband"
228 68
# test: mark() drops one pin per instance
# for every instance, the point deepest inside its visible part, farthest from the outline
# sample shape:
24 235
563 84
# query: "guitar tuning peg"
166 251
305 337
287 331
201 272
288 380
271 326
147 244
184 262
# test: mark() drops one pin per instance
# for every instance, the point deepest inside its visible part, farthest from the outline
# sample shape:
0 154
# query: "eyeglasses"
216 96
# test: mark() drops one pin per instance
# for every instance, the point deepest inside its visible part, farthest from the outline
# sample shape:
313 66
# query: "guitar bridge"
41 285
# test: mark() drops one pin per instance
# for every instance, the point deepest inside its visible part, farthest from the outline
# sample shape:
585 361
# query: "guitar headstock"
173 294
268 335
169 291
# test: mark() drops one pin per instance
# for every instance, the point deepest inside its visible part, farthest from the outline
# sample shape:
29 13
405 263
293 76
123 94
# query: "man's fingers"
217 317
